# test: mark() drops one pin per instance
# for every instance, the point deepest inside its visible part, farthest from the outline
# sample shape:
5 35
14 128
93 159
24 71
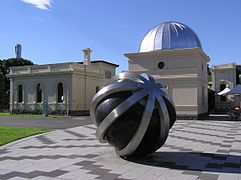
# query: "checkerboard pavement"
205 150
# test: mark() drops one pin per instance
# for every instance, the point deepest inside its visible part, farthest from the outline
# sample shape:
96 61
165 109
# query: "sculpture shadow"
191 161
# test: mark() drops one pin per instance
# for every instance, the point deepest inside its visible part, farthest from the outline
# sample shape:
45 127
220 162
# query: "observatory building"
172 53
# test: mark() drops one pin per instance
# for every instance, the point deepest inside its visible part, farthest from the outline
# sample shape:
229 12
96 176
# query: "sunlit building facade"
172 53
68 88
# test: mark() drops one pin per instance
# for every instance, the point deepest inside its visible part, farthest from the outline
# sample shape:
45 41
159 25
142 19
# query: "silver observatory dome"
168 36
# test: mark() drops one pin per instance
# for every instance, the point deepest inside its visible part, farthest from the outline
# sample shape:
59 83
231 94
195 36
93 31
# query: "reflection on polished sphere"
133 114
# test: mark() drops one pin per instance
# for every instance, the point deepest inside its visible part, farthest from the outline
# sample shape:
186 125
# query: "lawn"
9 134
27 115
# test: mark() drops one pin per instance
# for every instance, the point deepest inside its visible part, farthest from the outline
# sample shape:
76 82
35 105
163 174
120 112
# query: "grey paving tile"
44 139
70 168
10 175
33 174
89 156
84 163
207 176
55 173
194 149
18 178
91 167
222 151
189 172
108 176
91 127
3 151
22 175
79 139
227 141
228 176
78 174
74 134
99 171
67 146
39 157
226 145
235 150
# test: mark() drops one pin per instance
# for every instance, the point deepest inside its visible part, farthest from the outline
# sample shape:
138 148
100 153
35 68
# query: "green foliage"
209 74
9 134
208 70
6 63
2 86
4 81
209 78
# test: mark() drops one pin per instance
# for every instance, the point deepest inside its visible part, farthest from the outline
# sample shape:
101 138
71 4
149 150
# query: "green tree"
4 81
2 87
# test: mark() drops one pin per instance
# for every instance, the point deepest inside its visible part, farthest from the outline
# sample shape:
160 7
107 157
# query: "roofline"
97 61
42 64
168 52
102 61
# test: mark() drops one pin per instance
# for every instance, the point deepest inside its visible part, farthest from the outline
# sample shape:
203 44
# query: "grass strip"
28 115
9 134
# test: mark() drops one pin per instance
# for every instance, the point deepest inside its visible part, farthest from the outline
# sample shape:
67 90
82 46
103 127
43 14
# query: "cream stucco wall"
79 85
184 73
49 91
224 74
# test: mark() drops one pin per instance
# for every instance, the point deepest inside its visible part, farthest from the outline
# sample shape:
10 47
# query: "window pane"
108 74
39 93
20 93
60 92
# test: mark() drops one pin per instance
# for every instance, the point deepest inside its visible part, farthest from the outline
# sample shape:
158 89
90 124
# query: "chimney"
87 52
18 49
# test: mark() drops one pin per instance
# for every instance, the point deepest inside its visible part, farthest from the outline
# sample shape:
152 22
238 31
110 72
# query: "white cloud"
41 4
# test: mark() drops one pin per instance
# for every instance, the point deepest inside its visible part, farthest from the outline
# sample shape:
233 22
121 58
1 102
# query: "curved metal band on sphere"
133 114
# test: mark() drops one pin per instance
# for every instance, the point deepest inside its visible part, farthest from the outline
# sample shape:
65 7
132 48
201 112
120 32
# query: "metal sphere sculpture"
133 114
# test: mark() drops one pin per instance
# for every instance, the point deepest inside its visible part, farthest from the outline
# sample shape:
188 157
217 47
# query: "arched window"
60 92
97 89
20 93
222 87
39 93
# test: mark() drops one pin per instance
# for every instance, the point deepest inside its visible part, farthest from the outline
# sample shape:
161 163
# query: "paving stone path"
206 150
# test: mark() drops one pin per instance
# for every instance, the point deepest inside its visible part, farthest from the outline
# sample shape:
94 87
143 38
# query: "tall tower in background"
18 50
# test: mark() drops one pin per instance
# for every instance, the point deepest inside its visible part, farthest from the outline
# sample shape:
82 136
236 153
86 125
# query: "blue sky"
53 31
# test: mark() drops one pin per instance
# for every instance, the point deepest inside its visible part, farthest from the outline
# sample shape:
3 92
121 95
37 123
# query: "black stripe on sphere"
123 129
